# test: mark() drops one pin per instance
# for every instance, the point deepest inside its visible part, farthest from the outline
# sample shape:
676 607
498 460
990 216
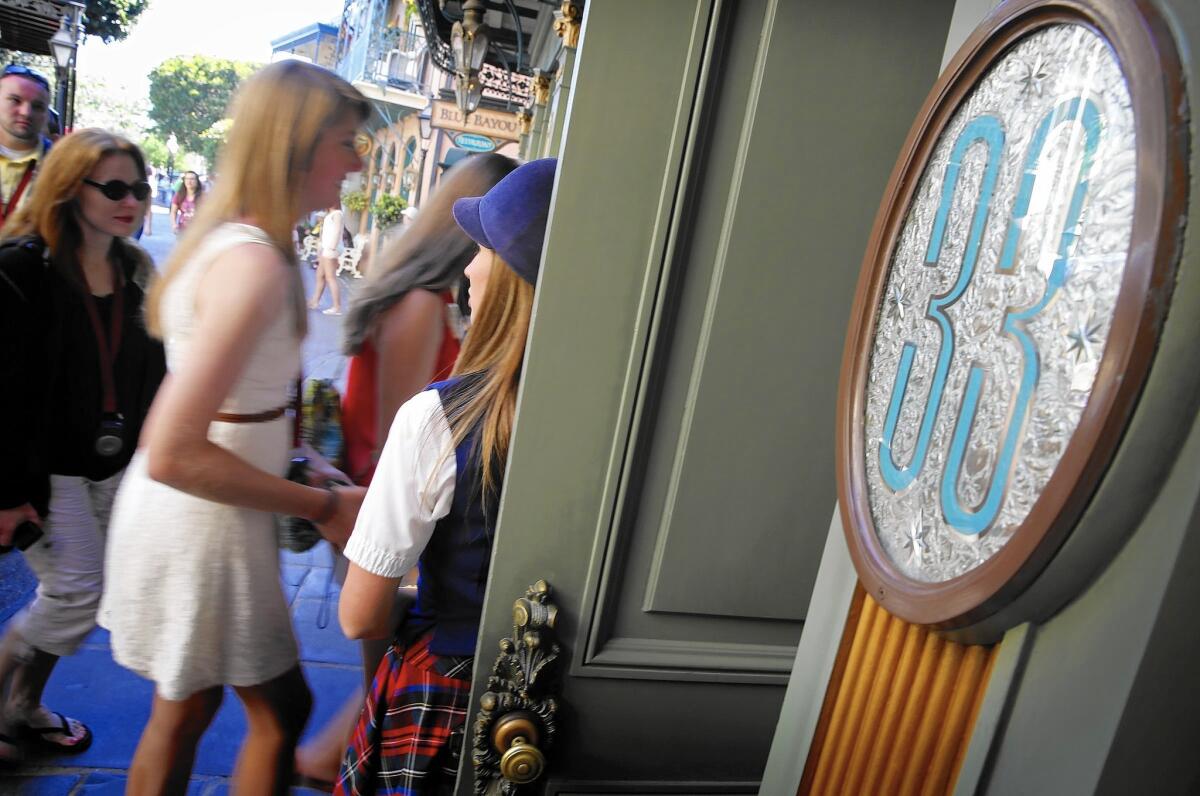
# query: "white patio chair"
348 261
311 246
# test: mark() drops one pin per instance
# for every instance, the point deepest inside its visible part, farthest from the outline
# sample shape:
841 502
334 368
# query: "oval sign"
996 353
474 142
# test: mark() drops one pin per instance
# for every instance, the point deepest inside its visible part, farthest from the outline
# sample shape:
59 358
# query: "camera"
296 533
23 537
110 436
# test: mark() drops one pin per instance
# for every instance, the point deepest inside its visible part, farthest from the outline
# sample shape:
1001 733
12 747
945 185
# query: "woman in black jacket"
78 373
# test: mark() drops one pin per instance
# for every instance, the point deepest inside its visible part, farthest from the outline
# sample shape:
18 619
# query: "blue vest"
454 567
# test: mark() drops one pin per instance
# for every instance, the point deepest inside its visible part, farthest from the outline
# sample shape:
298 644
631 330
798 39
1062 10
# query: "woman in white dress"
193 599
327 262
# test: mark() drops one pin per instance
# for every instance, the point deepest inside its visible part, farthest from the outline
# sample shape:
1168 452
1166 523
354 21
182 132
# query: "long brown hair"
490 364
182 193
431 254
279 115
52 210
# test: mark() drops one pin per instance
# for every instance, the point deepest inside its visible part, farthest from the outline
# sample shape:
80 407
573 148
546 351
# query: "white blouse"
331 232
412 489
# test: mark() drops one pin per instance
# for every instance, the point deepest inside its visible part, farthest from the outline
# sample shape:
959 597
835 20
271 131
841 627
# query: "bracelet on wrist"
329 509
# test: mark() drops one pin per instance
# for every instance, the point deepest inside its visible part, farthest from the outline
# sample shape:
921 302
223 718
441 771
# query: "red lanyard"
11 204
107 348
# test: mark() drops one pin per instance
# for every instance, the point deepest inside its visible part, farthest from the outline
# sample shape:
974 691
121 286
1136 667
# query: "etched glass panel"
998 302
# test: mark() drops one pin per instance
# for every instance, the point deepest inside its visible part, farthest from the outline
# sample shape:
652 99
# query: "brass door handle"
515 737
517 717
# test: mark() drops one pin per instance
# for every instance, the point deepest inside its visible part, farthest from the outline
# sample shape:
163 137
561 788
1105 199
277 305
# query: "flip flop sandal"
35 737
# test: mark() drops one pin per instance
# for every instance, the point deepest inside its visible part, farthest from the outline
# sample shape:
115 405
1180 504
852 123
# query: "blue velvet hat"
510 219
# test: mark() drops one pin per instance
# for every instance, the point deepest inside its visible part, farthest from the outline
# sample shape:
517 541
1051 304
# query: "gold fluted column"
525 119
899 710
541 97
566 25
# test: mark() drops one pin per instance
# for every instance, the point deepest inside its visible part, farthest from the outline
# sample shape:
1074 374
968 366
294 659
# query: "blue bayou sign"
980 370
474 142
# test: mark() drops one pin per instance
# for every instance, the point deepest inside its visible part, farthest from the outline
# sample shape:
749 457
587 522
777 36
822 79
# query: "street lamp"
172 151
425 119
62 46
469 42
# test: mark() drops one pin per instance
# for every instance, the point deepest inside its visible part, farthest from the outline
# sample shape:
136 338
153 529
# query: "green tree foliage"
155 151
190 94
213 139
112 20
98 104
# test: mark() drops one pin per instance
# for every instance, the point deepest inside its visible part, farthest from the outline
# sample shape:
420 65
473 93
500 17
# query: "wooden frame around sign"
1146 52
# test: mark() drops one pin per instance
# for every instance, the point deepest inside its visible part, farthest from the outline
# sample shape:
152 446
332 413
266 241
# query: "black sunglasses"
117 190
20 70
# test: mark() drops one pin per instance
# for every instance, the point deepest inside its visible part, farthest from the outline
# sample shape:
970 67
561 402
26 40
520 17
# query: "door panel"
671 473
658 599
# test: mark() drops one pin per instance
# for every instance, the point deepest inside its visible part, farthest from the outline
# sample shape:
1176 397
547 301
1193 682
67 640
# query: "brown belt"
258 417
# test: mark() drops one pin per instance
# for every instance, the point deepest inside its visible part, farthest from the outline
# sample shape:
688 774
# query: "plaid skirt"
411 728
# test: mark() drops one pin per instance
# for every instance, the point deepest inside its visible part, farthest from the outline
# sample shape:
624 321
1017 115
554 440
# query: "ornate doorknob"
518 713
522 763
515 737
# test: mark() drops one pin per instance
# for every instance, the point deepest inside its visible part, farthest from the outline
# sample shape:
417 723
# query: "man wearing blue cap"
24 104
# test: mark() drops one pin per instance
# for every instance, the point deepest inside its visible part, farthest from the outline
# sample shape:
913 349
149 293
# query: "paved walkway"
116 703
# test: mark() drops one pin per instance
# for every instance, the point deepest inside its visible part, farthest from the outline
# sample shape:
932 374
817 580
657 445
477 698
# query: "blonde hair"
490 364
278 116
51 212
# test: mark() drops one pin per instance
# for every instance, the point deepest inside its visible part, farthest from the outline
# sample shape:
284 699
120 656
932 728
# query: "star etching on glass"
914 541
1085 339
1035 77
898 301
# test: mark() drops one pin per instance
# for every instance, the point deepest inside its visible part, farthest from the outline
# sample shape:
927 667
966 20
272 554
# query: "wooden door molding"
613 648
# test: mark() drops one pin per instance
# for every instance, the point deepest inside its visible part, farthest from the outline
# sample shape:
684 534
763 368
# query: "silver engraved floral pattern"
998 302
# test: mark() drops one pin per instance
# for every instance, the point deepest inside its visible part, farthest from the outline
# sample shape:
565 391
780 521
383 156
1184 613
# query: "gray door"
671 475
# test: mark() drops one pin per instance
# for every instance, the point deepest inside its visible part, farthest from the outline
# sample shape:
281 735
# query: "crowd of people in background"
145 486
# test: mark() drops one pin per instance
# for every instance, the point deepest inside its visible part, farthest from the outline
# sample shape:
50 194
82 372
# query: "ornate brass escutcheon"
517 717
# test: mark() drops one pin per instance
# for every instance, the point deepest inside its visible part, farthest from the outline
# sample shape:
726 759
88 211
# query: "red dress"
361 402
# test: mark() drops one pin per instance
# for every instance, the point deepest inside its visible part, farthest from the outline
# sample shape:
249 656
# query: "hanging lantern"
469 43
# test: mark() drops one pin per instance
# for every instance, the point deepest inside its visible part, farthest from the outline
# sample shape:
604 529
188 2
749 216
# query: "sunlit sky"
240 29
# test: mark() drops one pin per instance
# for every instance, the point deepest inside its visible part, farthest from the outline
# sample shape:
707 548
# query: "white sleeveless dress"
192 591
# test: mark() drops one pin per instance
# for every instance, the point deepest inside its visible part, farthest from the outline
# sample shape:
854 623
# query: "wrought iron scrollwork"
439 48
517 718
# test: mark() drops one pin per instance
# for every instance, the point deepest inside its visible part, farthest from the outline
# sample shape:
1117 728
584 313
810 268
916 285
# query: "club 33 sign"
1010 299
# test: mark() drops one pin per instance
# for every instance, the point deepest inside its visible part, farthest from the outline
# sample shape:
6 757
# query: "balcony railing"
395 59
